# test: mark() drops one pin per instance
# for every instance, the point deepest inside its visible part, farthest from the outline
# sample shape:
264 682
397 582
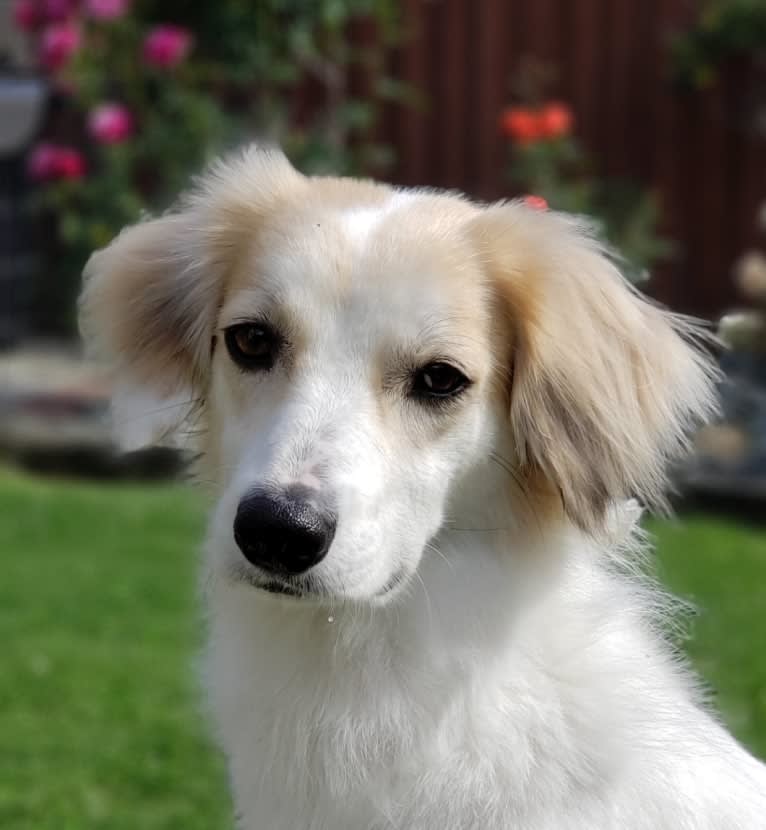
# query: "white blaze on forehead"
360 221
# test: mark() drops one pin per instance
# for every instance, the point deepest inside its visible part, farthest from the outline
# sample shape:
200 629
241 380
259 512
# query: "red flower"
520 124
524 125
70 164
59 42
50 162
167 46
535 202
107 9
555 120
27 15
110 123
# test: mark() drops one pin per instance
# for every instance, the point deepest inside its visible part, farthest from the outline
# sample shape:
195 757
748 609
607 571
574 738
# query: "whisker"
428 599
431 546
479 529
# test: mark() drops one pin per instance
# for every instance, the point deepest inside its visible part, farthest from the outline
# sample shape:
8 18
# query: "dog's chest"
322 743
308 763
338 758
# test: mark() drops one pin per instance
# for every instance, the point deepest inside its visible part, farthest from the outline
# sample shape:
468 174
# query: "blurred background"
647 115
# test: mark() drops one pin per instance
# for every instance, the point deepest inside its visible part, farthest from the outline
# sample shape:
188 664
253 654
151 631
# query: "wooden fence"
698 150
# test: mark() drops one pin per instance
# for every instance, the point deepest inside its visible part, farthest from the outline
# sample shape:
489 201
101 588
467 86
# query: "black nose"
282 534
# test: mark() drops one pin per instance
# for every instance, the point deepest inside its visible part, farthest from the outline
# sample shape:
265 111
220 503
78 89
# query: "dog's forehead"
403 262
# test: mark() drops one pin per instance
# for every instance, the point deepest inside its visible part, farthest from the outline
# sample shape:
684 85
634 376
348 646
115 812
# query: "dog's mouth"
273 585
280 588
307 589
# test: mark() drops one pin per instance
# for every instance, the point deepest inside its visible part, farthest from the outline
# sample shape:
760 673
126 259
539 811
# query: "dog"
424 423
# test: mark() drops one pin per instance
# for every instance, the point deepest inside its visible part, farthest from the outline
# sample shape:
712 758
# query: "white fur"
360 222
519 677
452 710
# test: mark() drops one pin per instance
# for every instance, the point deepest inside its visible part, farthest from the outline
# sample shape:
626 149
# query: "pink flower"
166 46
107 9
70 164
59 42
27 15
41 162
51 162
110 123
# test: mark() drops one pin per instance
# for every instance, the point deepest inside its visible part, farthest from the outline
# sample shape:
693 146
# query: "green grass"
100 718
720 566
100 723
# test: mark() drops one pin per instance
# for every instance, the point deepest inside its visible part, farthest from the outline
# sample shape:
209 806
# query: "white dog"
424 419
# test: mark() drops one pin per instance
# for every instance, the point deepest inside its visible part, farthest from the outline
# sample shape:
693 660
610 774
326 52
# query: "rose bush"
147 92
547 160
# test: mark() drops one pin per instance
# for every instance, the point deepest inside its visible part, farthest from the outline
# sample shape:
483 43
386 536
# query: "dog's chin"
307 589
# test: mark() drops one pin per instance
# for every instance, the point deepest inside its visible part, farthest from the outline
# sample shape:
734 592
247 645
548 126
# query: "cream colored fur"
518 678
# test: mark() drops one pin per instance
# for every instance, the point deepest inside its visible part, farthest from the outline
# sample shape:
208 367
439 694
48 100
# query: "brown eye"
252 345
439 380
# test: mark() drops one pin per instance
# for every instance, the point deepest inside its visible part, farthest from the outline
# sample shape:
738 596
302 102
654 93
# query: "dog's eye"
252 345
439 380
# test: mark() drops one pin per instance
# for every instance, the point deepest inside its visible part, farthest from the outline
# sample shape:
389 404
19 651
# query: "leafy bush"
152 90
725 30
547 161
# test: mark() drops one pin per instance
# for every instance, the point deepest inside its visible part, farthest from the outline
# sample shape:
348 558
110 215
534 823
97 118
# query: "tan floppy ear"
605 385
150 299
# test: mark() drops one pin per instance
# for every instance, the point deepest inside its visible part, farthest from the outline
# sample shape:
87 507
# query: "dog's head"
369 367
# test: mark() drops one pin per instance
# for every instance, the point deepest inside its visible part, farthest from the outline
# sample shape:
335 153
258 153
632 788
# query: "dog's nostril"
282 534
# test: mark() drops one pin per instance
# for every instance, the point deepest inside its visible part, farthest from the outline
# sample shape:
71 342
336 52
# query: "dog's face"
350 385
376 367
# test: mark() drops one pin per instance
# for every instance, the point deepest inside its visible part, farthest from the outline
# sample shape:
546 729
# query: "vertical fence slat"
586 73
490 92
453 92
409 138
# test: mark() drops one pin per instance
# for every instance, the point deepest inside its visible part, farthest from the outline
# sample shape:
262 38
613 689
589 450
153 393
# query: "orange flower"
520 124
555 120
535 202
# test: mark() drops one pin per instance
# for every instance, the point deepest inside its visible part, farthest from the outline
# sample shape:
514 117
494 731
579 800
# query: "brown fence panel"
699 151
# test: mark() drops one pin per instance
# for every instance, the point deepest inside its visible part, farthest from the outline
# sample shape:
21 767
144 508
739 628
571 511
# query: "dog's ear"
605 386
150 299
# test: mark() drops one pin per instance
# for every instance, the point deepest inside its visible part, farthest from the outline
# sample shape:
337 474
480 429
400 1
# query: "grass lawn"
100 722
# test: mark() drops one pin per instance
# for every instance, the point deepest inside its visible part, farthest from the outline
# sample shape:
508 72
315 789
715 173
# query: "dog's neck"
453 659
475 648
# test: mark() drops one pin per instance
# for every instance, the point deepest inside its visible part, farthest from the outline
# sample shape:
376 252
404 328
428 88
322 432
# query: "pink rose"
27 15
110 123
41 162
70 164
59 42
50 162
107 9
166 46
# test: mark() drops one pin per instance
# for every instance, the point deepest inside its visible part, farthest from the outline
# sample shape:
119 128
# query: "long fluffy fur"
607 387
522 677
